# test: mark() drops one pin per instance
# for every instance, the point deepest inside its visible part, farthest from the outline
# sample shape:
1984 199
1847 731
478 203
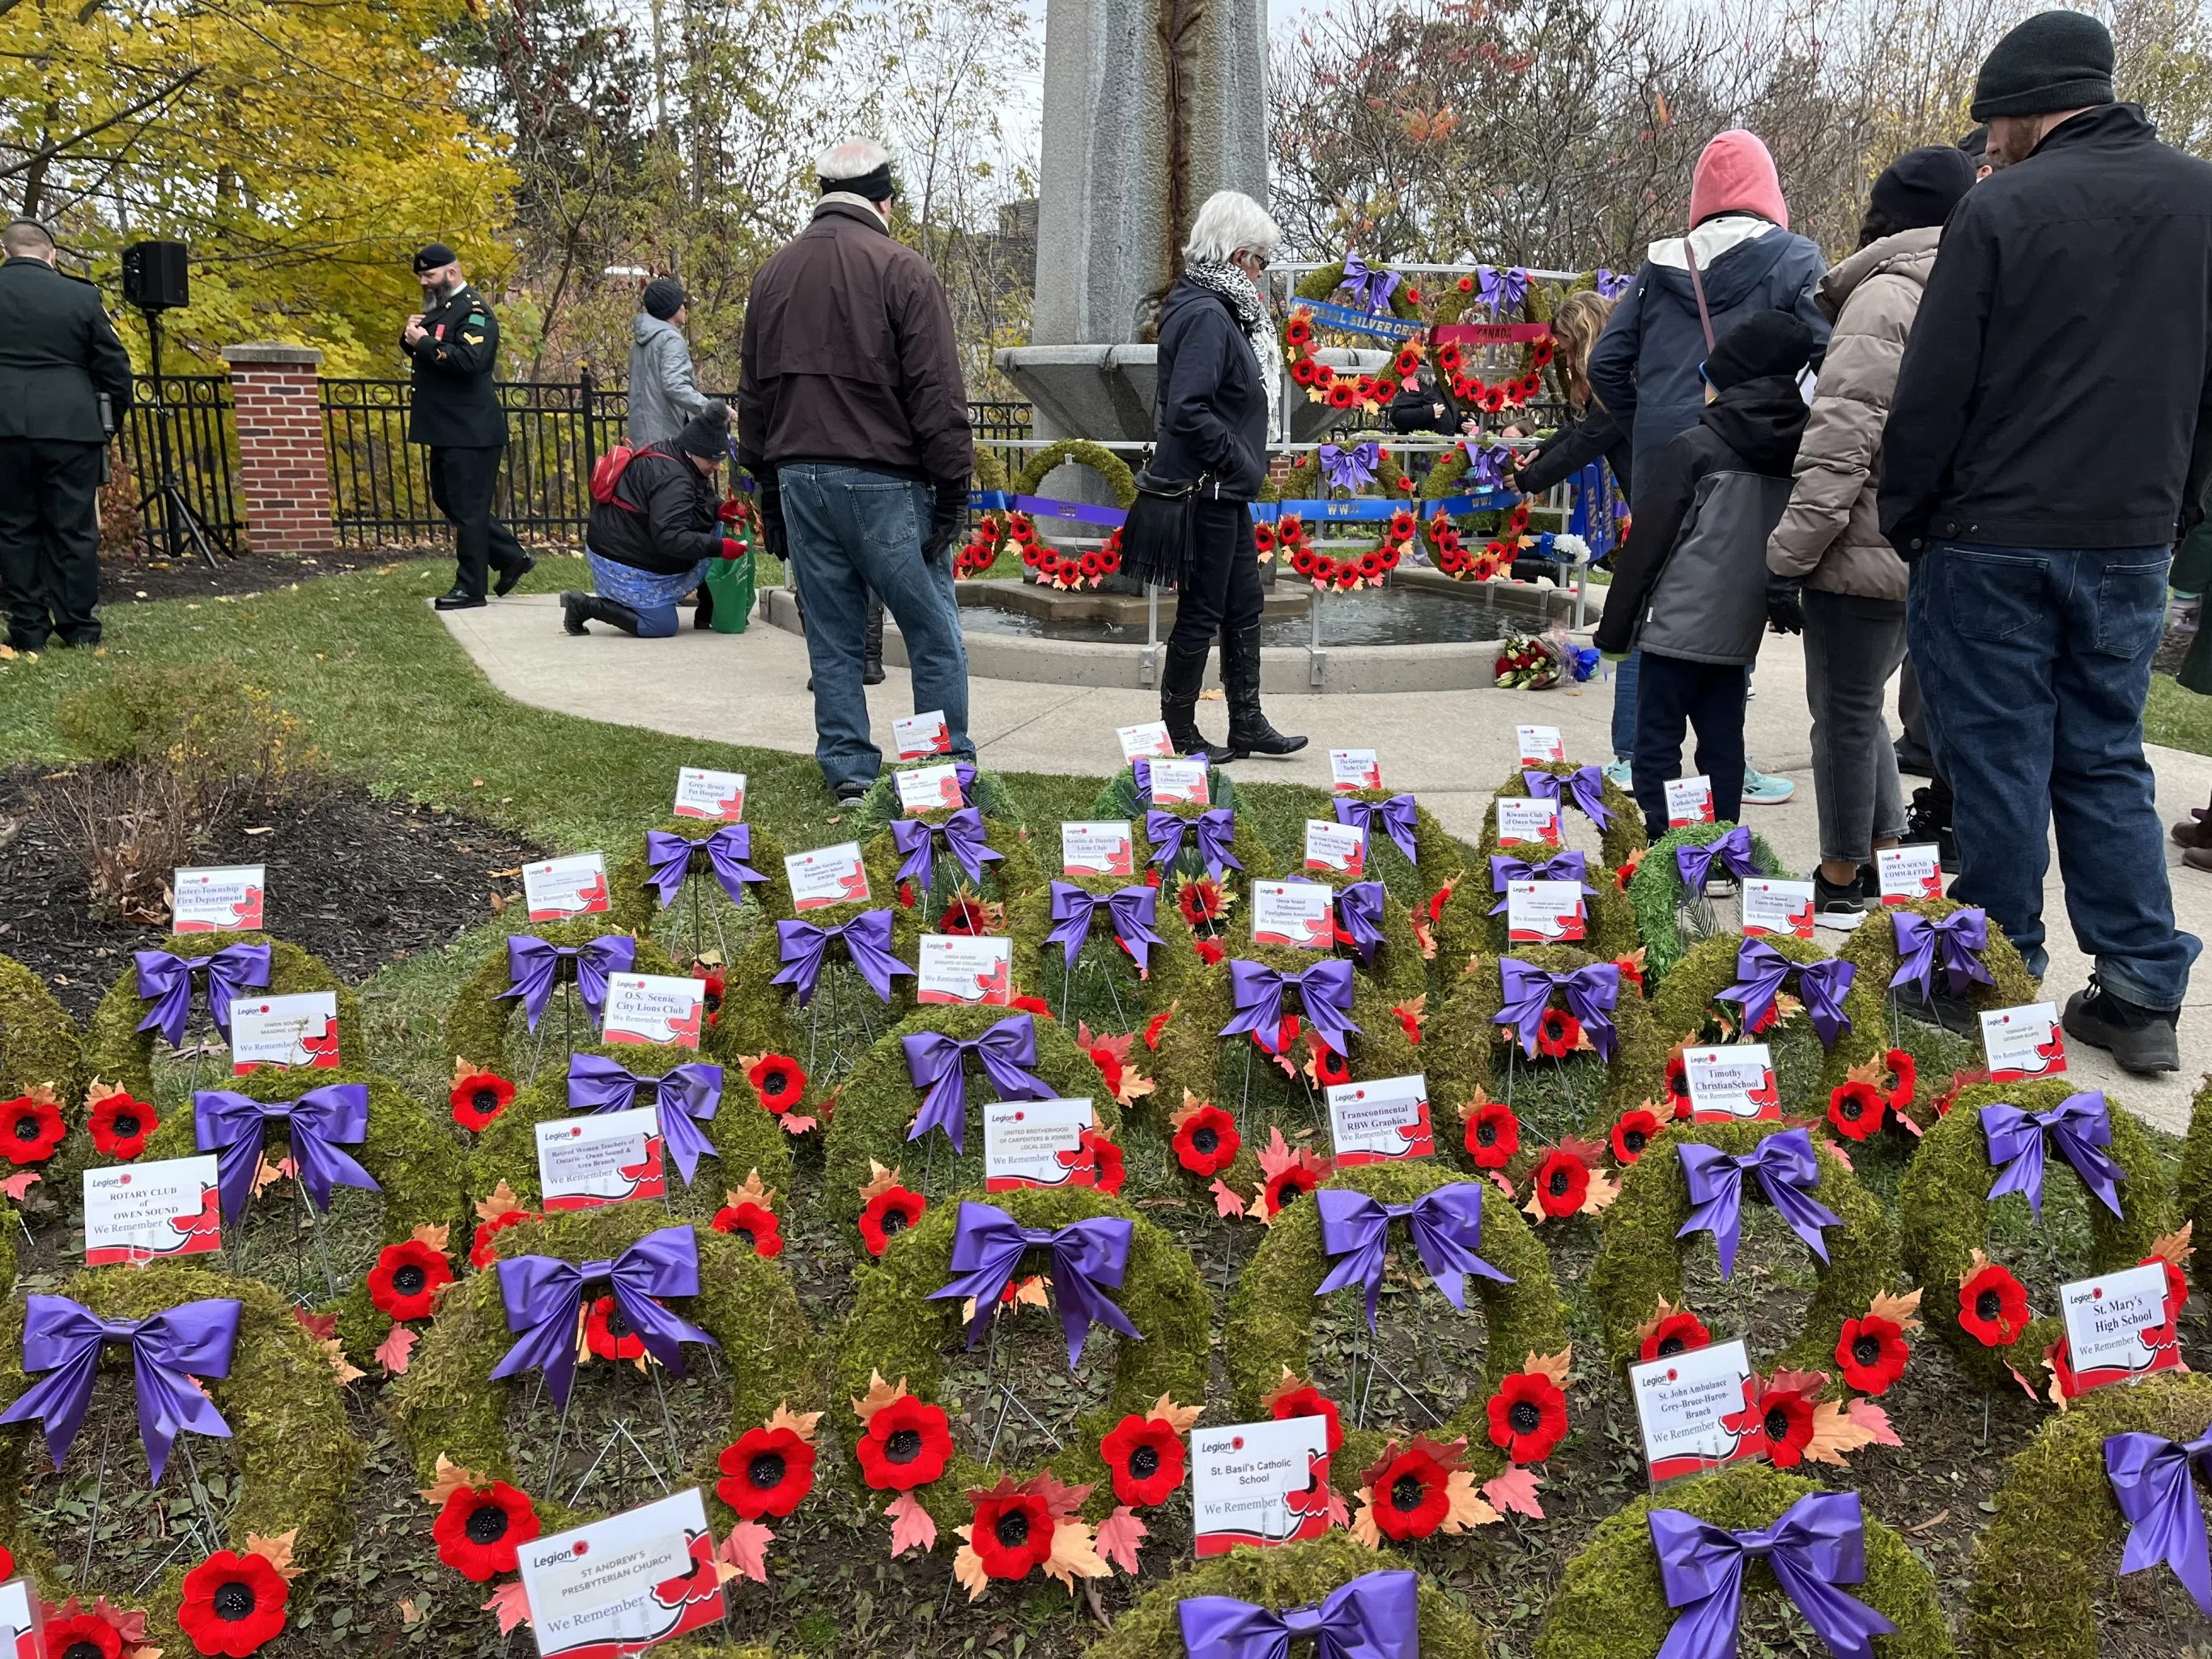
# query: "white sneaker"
1760 790
1621 774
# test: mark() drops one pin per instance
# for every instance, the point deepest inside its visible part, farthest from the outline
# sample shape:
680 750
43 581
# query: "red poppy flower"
1629 866
1855 1109
1347 576
1527 1417
1466 284
1557 1034
1145 1456
1411 1491
233 1604
1341 395
1299 329
480 1529
1993 1307
1492 400
1285 1185
1263 536
1448 360
120 1125
904 1445
1384 388
1785 1416
1540 354
1631 972
1302 562
1310 1401
1678 1333
1012 1534
1324 376
965 914
716 987
2060 1359
752 1223
1871 1353
1678 1085
889 1213
1206 1142
406 1281
607 1333
1408 360
480 1249
86 1635
1401 524
30 1129
1290 527
766 1473
1108 1158
1494 1135
1329 1066
1201 902
1303 371
1371 566
1632 1133
1562 1181
1021 528
1110 556
1899 1066
2177 1287
1089 563
1030 556
779 1080
1210 951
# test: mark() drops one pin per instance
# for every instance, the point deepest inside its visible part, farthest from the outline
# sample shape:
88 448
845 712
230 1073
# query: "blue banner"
1375 509
998 501
1353 320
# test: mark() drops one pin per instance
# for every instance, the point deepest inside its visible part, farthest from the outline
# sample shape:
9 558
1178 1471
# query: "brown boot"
2198 858
2195 830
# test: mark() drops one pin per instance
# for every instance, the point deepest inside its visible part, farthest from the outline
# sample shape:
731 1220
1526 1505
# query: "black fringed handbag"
1156 540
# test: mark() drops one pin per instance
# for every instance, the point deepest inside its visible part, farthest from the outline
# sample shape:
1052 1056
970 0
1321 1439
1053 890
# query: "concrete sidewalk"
1450 748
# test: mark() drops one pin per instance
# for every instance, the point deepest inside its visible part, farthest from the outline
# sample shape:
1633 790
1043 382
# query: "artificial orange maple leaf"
1552 1365
502 1202
879 1182
751 1193
799 1423
393 1353
746 1549
1179 1417
1073 1554
2175 1247
912 1526
512 1605
433 1237
450 1478
968 1566
276 1551
880 1394
1226 1201
1902 1311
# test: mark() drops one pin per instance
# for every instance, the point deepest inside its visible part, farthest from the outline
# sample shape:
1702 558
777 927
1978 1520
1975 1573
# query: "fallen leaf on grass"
1935 1520
912 1526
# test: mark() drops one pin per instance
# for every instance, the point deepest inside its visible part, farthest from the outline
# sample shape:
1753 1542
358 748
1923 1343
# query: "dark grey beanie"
664 297
708 433
2056 60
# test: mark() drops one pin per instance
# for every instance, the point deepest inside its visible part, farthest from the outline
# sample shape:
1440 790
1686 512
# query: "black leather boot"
577 608
1183 674
704 617
1249 731
872 644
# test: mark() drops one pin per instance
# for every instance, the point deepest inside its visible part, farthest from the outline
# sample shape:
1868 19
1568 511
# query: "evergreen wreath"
1610 1604
1294 1575
1655 893
1269 1334
635 902
296 1457
878 1103
119 1054
486 1029
989 794
999 529
40 1044
1119 797
2054 1543
1947 1217
1637 1274
1291 537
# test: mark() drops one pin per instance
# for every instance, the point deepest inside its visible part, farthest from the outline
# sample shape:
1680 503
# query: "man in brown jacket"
853 415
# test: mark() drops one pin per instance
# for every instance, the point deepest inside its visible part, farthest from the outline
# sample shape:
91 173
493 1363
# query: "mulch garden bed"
127 581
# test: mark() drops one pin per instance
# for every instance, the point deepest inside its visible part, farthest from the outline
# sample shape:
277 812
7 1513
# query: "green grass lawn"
2178 717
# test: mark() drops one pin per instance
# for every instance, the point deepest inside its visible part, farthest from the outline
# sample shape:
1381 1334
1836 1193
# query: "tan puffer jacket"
1830 535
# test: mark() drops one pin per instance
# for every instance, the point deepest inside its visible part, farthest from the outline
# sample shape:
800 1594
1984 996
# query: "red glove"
734 549
732 512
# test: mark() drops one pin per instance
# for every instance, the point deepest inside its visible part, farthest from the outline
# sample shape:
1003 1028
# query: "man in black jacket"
58 356
2047 442
454 349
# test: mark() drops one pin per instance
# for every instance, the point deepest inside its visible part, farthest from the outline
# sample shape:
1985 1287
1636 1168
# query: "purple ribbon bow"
544 1299
1324 989
684 1097
2151 1477
1504 867
936 1062
1371 288
1350 469
1375 1616
1502 288
166 979
1359 913
1446 1225
802 946
1584 786
1957 938
1215 831
534 967
168 1349
963 837
1486 464
1732 851
1787 1172
1399 814
1088 1259
233 1128
1609 284
1134 911
1591 994
2081 1128
1761 970
668 861
1819 1542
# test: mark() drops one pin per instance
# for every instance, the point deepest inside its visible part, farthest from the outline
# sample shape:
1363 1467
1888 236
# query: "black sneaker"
1839 907
2145 1041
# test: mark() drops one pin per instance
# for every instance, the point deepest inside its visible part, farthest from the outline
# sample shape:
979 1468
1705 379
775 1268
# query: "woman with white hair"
1220 372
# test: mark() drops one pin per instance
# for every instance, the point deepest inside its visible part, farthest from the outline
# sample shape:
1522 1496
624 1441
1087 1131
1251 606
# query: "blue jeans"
648 592
2034 666
1624 677
852 531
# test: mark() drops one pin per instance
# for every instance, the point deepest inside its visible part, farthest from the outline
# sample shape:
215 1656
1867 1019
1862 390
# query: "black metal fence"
185 433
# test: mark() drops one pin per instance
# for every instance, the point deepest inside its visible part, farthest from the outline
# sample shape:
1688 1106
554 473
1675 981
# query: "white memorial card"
1732 1084
1783 909
1180 783
619 1585
1545 913
928 788
20 1621
2022 1043
1340 849
555 890
654 1008
1259 1483
2119 1327
826 875
1540 744
1036 1143
1102 847
144 1211
1527 820
1147 742
585 1160
704 794
1681 1401
1381 1121
300 1030
917 737
1349 769
1689 800
215 901
964 969
1908 873
1301 914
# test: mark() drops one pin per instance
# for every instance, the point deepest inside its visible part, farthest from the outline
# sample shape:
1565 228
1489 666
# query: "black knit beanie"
1765 343
2056 60
663 297
1920 187
708 433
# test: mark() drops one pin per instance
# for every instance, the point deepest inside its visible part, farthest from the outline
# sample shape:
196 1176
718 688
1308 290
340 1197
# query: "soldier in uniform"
58 353
454 347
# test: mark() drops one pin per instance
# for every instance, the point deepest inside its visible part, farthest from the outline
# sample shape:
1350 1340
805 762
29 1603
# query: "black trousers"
50 540
461 483
1672 692
1222 592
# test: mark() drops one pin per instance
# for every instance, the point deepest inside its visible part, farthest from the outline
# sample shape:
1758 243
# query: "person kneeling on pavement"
653 542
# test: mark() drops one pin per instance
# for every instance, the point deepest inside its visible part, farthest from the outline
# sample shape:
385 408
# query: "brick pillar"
284 459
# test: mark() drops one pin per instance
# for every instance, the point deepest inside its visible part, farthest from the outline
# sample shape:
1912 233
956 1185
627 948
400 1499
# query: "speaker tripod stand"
179 523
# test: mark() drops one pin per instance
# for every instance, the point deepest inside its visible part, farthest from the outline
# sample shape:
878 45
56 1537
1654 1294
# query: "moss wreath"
2193 1184
481 1018
879 1102
1400 967
1041 966
2041 1563
636 901
116 1052
1610 1604
1006 879
1045 563
1639 1259
1655 890
1461 925
1270 1315
449 1404
746 1137
1297 1575
1944 1214
1504 529
895 1331
1257 858
40 1044
1439 857
1322 383
1621 838
1536 355
1291 537
410 1154
297 1456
